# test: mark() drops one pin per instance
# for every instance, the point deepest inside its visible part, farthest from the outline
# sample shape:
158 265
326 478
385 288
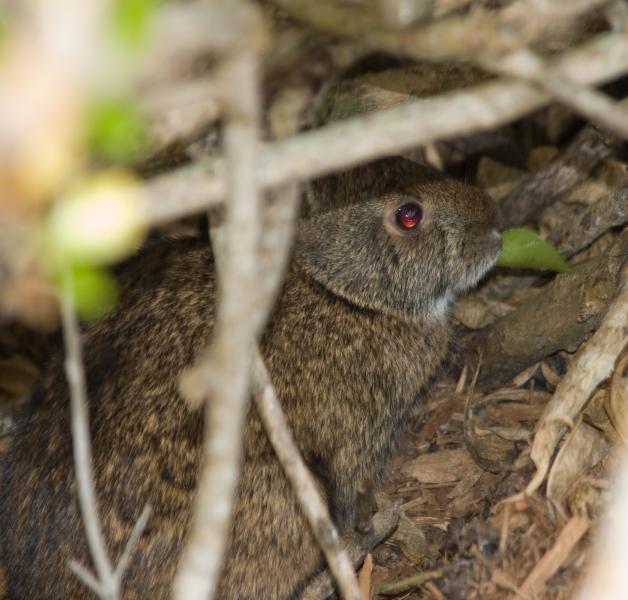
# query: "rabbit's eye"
408 216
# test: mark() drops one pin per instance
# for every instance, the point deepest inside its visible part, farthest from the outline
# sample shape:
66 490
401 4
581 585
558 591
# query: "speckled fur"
350 346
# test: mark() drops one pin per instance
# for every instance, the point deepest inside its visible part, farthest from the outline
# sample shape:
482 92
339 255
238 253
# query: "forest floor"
467 529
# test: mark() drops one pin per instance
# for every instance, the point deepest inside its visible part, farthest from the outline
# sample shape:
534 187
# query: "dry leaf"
584 448
411 541
442 467
475 312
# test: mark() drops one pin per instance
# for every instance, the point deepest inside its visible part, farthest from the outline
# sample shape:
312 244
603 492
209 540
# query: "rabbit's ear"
371 180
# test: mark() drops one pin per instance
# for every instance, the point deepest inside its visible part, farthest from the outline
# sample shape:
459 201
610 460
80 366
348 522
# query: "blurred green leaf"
524 249
95 291
116 129
131 19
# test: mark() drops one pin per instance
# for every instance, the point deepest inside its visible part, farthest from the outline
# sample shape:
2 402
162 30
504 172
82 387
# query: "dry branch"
222 375
344 144
180 112
186 31
410 583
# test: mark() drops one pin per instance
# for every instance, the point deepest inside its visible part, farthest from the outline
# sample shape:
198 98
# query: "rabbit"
358 332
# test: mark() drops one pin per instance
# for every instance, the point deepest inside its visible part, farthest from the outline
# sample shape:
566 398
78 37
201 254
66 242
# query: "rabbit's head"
407 245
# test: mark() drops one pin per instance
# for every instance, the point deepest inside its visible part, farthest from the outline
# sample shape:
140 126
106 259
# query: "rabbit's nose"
496 239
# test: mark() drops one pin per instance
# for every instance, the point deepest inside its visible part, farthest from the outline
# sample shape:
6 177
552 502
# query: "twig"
222 375
344 144
364 577
302 482
133 540
108 583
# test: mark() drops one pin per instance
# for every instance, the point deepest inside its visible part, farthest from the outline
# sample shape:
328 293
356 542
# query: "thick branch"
221 378
344 144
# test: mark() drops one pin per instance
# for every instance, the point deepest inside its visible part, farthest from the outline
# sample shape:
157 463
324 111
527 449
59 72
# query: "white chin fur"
476 274
439 308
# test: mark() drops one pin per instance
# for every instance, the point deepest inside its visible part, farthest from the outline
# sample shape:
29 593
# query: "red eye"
408 216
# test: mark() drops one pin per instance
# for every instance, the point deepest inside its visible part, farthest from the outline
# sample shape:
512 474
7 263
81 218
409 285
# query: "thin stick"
223 372
343 144
302 482
87 578
133 540
81 443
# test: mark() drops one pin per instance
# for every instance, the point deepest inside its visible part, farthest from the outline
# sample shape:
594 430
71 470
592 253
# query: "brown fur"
354 339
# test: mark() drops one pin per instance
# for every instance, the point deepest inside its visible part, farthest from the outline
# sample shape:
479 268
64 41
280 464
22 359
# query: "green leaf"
131 20
95 291
116 129
524 249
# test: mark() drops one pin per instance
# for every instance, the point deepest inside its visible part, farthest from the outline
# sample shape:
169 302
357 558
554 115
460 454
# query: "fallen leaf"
444 466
